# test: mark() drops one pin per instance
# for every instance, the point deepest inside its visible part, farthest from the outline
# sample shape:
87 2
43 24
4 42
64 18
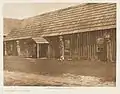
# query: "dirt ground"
44 72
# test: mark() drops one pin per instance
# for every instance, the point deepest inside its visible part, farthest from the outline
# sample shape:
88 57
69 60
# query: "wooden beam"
38 50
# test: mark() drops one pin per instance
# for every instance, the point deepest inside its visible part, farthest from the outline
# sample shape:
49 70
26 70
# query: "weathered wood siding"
83 45
11 48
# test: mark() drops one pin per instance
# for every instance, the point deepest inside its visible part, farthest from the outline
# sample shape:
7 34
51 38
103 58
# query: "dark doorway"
43 50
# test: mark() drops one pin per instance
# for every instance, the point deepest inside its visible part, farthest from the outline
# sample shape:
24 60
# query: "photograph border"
62 90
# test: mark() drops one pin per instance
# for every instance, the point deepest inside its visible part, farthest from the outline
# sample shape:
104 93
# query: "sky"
25 10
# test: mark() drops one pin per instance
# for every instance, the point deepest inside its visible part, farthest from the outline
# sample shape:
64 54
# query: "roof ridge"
58 10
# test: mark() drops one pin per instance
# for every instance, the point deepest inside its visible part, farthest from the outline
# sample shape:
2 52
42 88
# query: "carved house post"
109 47
18 48
61 48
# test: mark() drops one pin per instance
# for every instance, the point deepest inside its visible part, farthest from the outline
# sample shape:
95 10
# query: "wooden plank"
85 44
82 46
111 34
88 45
114 45
70 46
38 51
79 46
94 49
91 51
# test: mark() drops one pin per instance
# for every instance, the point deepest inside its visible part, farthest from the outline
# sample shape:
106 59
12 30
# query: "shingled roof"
81 18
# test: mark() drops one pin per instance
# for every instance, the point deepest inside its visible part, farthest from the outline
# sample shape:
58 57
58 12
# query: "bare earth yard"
20 71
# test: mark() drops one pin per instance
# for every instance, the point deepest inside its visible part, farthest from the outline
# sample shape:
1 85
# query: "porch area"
27 47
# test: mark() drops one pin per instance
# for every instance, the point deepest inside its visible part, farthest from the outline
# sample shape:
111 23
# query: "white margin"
47 90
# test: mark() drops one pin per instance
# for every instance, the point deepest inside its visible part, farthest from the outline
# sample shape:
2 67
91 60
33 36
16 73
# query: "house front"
71 32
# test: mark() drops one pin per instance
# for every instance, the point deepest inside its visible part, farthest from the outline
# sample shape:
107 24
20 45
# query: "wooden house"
80 26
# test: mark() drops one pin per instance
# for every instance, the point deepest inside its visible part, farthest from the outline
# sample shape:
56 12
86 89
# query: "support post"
18 48
109 47
5 47
48 50
61 48
38 50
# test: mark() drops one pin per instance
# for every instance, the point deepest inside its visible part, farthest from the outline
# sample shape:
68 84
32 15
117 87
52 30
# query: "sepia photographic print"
59 44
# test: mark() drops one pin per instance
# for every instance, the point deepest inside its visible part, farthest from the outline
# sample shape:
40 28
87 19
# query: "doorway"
43 50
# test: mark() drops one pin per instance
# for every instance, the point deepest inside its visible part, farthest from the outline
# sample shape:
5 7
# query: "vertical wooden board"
111 54
79 45
83 45
89 45
52 50
72 49
86 45
114 45
85 40
76 47
93 45
94 49
111 43
70 45
90 51
38 55
83 50
102 33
